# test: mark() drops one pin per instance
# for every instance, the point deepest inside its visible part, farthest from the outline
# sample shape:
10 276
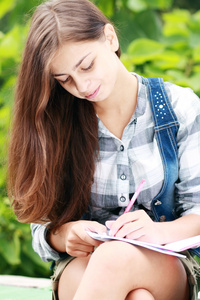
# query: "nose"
82 85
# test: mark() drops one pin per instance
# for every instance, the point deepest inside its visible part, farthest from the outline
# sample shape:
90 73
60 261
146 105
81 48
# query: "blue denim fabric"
166 127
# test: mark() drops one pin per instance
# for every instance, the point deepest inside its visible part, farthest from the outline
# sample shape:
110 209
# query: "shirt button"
122 199
121 148
123 177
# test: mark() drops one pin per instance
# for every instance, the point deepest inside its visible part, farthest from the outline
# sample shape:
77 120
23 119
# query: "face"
88 69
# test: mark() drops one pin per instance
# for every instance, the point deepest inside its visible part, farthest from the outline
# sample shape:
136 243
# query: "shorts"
190 264
60 265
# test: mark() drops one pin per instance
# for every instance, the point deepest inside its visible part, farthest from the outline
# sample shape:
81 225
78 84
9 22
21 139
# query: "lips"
94 94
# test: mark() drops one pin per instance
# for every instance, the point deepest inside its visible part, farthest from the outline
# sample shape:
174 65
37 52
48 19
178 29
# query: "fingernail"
108 224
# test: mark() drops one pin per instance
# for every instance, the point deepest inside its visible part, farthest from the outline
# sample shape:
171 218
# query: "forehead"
71 53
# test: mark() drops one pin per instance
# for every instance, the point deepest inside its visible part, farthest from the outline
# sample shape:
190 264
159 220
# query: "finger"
109 224
95 227
121 221
127 218
137 235
79 248
78 253
129 228
87 240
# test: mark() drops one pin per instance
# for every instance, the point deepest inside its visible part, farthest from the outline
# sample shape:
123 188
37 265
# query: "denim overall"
166 127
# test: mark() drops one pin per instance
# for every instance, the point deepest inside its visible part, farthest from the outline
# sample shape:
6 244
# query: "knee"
115 256
139 294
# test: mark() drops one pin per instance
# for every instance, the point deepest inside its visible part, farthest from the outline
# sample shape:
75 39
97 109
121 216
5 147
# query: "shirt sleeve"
187 108
40 245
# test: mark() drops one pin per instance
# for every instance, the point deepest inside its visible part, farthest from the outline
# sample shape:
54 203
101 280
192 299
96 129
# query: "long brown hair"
54 139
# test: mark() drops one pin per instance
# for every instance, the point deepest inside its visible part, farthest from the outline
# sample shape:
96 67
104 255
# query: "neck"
124 94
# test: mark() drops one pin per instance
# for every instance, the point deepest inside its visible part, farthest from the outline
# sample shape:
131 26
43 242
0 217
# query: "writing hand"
136 225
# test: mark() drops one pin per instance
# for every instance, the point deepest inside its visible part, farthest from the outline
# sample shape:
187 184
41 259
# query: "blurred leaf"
137 5
194 82
11 43
7 91
177 16
196 54
176 23
10 249
194 39
169 59
5 6
4 116
140 5
160 4
143 50
133 26
176 29
28 250
107 7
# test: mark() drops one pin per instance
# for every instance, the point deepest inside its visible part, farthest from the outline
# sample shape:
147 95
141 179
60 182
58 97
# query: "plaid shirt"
125 162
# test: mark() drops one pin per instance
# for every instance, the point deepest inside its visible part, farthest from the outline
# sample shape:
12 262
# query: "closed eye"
64 81
89 67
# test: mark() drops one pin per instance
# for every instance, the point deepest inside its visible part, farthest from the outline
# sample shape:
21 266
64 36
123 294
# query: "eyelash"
83 69
88 68
64 81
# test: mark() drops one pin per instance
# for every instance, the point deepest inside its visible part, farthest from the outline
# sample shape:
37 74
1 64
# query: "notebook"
171 249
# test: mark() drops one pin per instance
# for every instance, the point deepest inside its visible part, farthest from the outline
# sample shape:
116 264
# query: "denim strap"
166 127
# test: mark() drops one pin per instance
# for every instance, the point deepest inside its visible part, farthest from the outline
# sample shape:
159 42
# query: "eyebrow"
76 66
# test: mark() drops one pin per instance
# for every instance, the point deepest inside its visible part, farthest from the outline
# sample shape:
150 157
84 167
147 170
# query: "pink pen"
132 201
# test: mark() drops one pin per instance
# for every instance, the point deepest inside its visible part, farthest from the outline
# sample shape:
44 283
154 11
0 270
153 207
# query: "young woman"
85 132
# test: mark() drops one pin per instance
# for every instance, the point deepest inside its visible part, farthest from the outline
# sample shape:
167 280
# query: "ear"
111 37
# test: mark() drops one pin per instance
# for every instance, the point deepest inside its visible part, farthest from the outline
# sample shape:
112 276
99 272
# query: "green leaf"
107 7
177 16
6 6
169 59
194 82
143 50
4 116
10 249
28 250
137 5
178 29
151 70
176 23
140 5
177 43
194 39
196 54
11 43
7 91
160 4
132 26
194 24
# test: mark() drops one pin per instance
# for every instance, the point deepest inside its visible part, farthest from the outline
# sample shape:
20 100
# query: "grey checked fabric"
124 163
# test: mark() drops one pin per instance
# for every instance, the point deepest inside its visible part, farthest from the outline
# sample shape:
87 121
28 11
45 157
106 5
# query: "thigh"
130 268
71 278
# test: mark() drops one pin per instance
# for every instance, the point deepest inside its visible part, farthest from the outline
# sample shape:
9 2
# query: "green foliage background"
159 38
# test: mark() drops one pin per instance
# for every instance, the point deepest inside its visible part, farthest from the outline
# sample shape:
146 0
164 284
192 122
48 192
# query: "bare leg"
71 278
116 268
140 294
119 271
